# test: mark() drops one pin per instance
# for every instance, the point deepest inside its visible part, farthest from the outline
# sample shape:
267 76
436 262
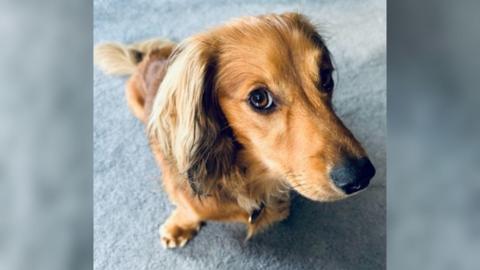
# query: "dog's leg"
184 222
182 225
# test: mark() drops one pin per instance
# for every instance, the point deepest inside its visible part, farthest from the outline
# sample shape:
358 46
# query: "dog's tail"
121 59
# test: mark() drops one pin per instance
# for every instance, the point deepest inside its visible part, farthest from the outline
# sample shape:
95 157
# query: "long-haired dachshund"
236 117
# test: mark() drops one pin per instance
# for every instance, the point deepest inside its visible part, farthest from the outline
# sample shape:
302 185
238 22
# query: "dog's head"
262 85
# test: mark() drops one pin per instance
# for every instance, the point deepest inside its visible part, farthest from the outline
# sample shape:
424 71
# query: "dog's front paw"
173 236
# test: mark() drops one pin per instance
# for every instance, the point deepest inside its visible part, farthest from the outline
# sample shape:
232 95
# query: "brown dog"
236 117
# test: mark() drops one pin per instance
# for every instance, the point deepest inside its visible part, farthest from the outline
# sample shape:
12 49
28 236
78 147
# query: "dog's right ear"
187 121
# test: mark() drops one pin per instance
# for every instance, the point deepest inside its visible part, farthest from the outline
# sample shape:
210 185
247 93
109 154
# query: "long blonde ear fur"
186 120
175 109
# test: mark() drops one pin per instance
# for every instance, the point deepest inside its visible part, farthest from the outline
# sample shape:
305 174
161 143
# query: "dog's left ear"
187 121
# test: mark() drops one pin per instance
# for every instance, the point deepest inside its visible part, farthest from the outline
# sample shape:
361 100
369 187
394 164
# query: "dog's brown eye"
261 99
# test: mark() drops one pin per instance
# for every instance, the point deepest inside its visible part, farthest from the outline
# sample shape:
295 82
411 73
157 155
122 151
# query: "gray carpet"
129 204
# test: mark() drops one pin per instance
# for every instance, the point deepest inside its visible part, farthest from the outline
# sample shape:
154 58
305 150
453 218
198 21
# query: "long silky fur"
187 121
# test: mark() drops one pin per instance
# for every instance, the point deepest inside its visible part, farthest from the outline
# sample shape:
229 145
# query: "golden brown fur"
220 159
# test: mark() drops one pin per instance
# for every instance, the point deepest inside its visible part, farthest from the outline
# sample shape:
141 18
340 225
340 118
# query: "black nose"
353 175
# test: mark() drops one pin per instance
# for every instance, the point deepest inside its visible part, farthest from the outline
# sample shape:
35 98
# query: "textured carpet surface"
129 204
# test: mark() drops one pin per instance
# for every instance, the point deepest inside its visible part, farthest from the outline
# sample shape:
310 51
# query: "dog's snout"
353 175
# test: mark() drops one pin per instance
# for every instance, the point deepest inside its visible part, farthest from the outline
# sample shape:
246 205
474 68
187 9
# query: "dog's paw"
173 236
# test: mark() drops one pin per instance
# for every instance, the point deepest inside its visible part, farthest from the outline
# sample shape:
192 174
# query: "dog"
237 117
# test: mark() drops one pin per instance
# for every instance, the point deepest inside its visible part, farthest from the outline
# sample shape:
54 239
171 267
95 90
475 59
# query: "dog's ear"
187 121
326 67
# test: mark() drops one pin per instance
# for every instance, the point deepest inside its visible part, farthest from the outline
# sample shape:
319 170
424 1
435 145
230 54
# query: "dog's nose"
353 175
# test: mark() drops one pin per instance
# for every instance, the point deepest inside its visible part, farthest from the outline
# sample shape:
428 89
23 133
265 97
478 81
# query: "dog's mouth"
323 191
321 195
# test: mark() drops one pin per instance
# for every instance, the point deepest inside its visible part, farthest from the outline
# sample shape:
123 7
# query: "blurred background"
46 135
433 190
433 101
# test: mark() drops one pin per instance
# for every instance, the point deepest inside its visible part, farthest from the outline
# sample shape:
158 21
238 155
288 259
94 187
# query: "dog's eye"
327 81
261 99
